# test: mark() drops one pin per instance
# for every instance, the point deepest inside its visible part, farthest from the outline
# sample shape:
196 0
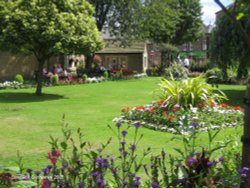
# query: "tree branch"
235 21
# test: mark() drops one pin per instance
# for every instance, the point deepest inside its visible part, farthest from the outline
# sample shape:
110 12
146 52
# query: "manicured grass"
26 120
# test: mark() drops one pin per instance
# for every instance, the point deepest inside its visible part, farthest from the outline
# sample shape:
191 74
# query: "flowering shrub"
159 115
8 84
73 164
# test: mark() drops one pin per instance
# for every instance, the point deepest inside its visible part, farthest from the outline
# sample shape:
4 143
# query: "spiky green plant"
189 92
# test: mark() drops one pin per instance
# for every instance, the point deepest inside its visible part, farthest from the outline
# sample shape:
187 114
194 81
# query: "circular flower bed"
177 119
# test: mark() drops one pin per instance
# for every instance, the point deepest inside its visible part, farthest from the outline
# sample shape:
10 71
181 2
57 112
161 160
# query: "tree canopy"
47 28
228 46
172 21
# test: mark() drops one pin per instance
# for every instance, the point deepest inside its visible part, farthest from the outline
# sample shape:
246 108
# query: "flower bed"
160 116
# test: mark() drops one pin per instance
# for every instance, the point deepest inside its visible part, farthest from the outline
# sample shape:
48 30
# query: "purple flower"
78 162
195 124
132 175
29 170
125 183
137 178
95 174
178 165
99 160
222 159
49 167
111 158
125 153
191 160
154 185
99 181
243 175
80 185
137 124
45 171
118 124
65 165
37 173
60 184
123 143
124 133
137 183
209 163
25 178
114 170
245 169
198 154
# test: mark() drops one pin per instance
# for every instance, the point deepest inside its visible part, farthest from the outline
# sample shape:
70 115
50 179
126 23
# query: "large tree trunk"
88 62
40 76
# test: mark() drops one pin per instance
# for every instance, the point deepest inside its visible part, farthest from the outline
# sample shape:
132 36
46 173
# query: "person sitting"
59 71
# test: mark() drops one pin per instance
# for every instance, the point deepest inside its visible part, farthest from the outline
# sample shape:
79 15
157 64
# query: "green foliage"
189 92
84 77
200 67
214 76
177 71
19 78
54 79
171 22
106 75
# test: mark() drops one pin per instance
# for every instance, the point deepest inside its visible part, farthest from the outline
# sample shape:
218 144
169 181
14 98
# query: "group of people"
57 70
185 62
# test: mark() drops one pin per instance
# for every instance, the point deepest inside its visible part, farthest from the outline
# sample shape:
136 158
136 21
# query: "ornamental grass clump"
189 92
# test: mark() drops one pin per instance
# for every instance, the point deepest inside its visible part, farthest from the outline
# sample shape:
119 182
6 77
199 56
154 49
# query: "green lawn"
27 121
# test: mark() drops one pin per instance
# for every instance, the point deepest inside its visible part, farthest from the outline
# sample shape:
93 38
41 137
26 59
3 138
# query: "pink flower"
53 156
45 183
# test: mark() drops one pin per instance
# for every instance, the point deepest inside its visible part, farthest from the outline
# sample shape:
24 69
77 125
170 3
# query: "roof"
112 47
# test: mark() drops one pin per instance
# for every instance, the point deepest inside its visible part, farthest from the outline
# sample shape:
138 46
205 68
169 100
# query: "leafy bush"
189 92
178 71
84 77
106 75
54 79
214 76
19 78
200 67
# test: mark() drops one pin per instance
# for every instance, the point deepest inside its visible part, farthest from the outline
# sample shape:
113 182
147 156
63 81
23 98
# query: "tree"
228 46
48 28
241 10
172 21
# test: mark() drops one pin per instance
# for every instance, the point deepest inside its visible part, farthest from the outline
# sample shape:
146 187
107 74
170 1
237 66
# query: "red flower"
170 118
165 113
225 105
53 156
237 108
45 183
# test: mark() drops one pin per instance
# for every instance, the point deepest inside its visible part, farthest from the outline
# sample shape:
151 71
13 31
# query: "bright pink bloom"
53 156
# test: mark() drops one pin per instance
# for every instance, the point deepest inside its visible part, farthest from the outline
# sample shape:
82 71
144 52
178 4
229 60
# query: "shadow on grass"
9 97
235 97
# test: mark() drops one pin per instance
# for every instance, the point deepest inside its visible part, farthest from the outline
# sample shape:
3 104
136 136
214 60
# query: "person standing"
186 62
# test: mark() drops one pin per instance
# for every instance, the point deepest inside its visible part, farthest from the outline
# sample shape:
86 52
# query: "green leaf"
64 145
240 16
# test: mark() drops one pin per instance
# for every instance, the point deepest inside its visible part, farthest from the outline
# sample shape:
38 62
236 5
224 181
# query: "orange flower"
237 108
139 108
160 102
225 105
127 109
152 110
170 118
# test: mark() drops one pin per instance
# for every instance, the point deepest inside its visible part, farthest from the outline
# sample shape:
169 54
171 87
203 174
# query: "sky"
209 8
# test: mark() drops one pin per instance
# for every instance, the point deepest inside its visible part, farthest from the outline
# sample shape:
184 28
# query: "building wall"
10 65
132 61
